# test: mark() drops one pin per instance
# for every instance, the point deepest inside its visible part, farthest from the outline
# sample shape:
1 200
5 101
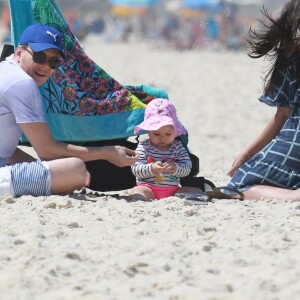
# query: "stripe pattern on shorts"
32 178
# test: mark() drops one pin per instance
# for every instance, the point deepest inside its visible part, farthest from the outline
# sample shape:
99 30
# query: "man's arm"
41 139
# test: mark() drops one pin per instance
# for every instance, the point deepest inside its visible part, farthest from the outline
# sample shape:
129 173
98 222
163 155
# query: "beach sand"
66 248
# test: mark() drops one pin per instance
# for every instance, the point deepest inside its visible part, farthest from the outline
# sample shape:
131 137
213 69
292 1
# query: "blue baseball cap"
41 37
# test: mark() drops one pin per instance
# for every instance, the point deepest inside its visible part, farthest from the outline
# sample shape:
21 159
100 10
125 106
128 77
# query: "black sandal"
223 192
195 198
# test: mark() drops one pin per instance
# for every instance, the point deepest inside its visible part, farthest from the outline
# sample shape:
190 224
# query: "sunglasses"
41 58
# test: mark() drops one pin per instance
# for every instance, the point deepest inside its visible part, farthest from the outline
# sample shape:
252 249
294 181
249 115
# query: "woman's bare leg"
67 175
260 192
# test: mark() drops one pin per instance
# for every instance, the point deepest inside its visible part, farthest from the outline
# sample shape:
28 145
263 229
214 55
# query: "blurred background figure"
4 22
177 24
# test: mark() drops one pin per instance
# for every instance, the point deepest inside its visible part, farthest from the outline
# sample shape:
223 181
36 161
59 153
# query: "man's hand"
120 156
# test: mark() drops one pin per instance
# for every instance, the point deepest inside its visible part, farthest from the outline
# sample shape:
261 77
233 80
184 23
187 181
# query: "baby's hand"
157 167
170 166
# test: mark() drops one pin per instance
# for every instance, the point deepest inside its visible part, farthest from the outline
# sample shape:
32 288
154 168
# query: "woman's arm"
270 132
41 139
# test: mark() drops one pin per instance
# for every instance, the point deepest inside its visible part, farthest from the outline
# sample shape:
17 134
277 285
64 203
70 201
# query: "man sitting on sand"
60 169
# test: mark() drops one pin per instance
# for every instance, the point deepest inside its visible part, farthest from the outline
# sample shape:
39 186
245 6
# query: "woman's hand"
271 130
239 160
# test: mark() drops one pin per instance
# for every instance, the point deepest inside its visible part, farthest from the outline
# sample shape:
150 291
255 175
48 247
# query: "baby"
162 158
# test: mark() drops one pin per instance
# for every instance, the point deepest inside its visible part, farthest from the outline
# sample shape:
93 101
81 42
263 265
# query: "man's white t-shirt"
20 102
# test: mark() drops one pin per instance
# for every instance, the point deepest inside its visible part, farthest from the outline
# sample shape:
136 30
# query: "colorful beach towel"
81 101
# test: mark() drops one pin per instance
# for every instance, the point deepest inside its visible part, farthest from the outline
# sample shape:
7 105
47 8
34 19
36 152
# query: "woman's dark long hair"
279 42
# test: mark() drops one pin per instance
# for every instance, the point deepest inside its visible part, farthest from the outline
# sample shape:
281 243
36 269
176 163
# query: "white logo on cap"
54 35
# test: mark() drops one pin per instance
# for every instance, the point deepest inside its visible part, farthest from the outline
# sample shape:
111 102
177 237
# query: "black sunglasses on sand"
41 58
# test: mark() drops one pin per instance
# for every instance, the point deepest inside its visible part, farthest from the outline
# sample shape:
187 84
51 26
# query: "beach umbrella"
126 8
194 8
200 4
134 3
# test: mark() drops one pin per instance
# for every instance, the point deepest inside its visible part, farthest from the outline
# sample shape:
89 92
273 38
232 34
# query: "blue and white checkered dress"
278 164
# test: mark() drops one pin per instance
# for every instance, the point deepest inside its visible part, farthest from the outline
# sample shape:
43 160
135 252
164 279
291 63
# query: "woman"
270 166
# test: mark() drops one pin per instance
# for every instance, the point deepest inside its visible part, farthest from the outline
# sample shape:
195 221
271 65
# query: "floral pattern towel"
82 102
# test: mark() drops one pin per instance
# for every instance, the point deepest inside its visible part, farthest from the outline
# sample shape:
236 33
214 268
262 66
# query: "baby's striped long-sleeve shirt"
176 152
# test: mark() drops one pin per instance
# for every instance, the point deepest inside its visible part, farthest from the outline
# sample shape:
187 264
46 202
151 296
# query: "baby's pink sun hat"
160 112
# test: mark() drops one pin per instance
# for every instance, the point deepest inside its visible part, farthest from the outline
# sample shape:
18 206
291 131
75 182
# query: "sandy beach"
70 248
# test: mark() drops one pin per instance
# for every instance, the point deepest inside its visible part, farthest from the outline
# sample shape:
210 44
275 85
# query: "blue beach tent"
82 102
